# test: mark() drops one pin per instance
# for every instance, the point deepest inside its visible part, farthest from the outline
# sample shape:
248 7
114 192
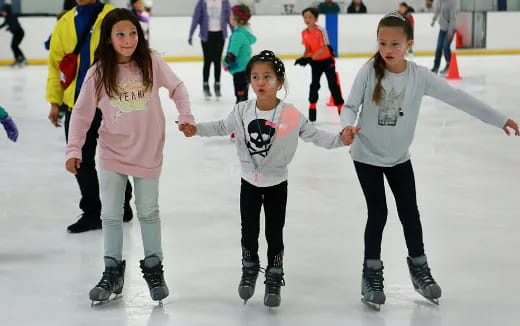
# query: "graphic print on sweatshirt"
261 132
132 97
390 107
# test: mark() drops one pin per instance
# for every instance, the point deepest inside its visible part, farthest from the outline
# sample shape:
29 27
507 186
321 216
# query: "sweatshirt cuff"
186 118
73 154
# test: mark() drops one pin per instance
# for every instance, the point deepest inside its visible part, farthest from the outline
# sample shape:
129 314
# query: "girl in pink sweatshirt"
124 83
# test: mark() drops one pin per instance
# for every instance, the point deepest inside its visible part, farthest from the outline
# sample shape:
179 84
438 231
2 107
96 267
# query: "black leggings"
402 183
15 42
327 66
241 86
274 200
212 51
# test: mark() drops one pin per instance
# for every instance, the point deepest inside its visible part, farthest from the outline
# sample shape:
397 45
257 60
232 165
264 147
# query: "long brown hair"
393 19
106 57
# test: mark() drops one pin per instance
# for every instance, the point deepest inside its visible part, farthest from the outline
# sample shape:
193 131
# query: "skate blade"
434 301
110 299
371 305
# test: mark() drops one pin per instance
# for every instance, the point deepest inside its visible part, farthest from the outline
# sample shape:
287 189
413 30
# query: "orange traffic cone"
453 71
331 99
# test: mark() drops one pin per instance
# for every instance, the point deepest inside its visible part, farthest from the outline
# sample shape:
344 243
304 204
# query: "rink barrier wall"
282 34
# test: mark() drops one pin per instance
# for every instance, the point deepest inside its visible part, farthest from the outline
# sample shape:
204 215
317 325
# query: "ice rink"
467 176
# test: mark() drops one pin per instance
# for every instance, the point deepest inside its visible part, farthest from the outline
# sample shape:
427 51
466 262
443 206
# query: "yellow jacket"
63 41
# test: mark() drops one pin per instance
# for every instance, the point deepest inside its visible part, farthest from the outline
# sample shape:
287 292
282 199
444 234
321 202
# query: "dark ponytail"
393 19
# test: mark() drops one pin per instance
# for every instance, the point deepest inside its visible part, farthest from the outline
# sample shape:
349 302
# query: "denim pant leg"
113 197
446 47
147 205
438 51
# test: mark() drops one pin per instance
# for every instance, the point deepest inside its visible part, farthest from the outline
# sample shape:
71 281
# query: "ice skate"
112 281
207 93
422 279
273 282
153 274
250 270
444 71
312 112
372 284
216 88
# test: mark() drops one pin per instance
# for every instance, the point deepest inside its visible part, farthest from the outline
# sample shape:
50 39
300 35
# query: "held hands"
10 128
187 129
303 61
72 165
349 134
511 124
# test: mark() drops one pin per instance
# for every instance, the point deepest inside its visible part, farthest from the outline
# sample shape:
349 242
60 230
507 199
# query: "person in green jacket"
239 50
9 125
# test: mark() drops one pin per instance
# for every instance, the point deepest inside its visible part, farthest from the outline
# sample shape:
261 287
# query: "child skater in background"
13 26
267 131
239 50
406 11
390 91
124 83
319 55
9 125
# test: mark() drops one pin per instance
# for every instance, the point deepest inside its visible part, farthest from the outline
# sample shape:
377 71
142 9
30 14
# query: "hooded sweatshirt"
11 20
446 11
240 45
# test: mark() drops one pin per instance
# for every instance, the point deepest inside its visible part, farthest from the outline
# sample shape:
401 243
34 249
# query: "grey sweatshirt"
386 135
290 125
446 11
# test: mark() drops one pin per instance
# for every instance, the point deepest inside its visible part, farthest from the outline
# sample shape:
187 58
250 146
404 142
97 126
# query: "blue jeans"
146 201
443 44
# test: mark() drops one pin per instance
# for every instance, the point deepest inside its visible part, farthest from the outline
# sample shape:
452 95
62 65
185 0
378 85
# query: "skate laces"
154 275
108 279
374 278
273 282
423 275
250 274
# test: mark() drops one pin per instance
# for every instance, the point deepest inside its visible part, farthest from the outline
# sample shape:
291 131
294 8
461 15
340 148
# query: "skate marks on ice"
140 300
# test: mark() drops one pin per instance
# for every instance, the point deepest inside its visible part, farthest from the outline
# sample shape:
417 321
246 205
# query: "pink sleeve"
176 89
82 116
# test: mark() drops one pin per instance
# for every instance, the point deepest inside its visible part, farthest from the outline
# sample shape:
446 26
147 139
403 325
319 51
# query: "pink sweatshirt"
132 132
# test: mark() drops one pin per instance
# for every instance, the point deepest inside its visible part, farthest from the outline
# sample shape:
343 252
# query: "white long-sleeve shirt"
386 135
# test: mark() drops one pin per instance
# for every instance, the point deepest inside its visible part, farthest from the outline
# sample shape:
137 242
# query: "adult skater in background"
9 125
389 90
13 26
446 12
212 17
67 32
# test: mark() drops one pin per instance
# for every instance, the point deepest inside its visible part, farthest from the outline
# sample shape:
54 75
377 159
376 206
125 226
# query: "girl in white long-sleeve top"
389 90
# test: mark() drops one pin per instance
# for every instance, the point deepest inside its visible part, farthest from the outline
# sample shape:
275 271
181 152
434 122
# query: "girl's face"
309 19
233 20
124 39
393 46
402 10
264 81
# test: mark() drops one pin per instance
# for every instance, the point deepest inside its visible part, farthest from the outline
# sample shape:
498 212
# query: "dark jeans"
212 51
241 86
15 42
87 177
327 66
402 183
274 200
443 45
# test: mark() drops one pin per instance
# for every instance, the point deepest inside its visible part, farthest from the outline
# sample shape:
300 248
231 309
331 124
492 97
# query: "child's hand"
511 124
349 134
187 129
73 165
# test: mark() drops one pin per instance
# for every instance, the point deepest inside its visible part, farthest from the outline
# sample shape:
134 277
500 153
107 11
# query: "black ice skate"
111 282
312 114
273 282
216 88
250 270
372 284
152 269
422 279
205 89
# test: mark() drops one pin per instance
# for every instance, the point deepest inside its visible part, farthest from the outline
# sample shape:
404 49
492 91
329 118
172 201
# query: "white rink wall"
281 34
